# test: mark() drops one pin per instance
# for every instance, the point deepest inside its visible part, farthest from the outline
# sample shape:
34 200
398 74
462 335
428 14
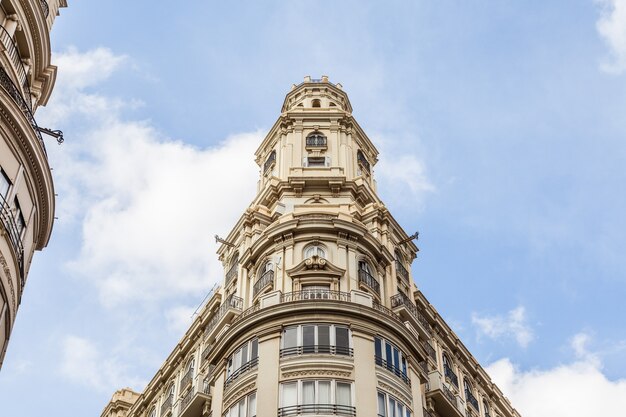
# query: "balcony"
316 140
403 305
192 402
186 379
242 370
471 400
13 53
369 281
266 280
446 403
401 270
319 349
10 225
430 350
16 95
314 295
449 373
317 409
232 273
228 309
166 407
400 373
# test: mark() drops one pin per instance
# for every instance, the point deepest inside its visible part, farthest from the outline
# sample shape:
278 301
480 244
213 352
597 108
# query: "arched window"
316 103
469 393
448 371
269 162
267 266
170 391
152 412
486 408
362 161
314 250
316 140
400 268
367 276
191 365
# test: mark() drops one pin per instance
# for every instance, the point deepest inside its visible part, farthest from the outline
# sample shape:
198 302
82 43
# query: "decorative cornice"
316 372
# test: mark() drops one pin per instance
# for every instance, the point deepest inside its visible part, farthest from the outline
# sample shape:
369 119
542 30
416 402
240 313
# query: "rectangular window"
382 410
316 338
313 396
19 217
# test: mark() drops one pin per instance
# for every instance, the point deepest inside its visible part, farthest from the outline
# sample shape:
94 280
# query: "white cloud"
83 364
577 389
513 324
612 27
179 318
149 205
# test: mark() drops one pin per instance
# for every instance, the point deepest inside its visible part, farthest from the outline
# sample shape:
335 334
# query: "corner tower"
318 313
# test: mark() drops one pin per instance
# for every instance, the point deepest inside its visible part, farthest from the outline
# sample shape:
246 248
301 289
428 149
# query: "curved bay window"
265 278
366 277
387 355
245 407
317 397
316 140
448 371
329 339
242 360
389 406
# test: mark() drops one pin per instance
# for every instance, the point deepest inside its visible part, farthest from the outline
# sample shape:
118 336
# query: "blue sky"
502 136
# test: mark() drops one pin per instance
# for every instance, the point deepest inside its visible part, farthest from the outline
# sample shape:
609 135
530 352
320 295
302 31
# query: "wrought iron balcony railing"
401 270
314 295
16 95
11 49
369 281
264 281
430 350
469 397
242 370
310 349
449 394
44 7
232 273
231 302
426 413
13 231
203 388
401 299
317 409
400 373
316 140
449 373
186 379
167 404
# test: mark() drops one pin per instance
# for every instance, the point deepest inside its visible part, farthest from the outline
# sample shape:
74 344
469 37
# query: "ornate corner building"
26 189
317 314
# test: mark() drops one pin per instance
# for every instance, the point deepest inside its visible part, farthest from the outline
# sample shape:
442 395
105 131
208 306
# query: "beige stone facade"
26 189
318 313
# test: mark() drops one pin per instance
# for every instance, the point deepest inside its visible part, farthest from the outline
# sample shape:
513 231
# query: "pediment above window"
316 266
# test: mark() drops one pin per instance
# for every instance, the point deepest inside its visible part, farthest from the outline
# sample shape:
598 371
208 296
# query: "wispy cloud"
612 27
577 389
512 324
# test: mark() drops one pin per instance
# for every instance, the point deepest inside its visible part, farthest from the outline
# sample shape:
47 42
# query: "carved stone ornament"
315 372
315 262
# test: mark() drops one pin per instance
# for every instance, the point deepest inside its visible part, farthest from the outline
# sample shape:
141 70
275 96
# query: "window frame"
332 348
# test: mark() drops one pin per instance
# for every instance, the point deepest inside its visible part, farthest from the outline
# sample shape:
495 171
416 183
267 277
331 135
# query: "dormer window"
316 161
269 162
316 103
316 140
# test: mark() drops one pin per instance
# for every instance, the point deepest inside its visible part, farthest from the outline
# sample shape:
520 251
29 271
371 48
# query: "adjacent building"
26 189
318 313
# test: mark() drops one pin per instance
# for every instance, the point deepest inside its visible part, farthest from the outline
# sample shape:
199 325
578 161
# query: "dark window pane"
343 341
255 349
388 356
308 339
323 338
378 351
